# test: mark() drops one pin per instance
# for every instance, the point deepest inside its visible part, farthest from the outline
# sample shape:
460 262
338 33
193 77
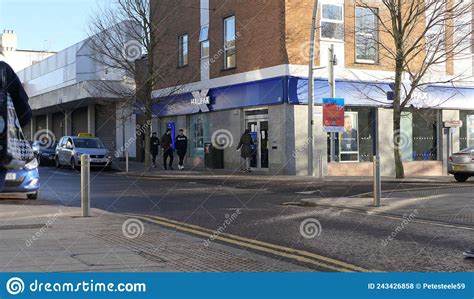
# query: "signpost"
453 124
312 47
171 126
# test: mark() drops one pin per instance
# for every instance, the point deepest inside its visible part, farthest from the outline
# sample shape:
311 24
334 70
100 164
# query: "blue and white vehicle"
24 180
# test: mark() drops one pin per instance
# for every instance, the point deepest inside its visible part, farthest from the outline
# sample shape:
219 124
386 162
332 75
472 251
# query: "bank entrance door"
258 127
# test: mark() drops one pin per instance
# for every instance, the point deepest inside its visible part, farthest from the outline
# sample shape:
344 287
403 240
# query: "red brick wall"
260 31
173 18
270 33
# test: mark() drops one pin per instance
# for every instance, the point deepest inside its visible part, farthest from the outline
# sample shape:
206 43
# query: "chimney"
8 40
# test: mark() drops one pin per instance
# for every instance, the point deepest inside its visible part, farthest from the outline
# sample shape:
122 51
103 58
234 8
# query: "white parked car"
461 164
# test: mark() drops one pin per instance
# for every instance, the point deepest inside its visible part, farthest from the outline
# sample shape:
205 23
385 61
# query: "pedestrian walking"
167 145
11 84
245 148
181 148
154 148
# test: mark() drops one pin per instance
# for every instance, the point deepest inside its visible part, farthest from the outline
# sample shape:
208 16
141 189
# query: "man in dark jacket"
167 145
245 147
181 148
20 100
154 147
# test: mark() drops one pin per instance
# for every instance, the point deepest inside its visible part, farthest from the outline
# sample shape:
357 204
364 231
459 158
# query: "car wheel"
56 162
461 177
32 196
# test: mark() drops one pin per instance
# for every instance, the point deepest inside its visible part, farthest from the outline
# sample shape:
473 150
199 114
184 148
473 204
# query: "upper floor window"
332 21
463 34
204 40
366 31
183 50
229 42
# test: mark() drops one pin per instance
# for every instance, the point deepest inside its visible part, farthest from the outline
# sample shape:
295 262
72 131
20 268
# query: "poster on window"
470 130
349 139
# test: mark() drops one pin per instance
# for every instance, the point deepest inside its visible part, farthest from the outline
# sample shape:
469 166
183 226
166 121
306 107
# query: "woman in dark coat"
245 147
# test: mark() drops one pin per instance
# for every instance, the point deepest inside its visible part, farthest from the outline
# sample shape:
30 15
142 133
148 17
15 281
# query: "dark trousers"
181 156
168 153
153 157
3 174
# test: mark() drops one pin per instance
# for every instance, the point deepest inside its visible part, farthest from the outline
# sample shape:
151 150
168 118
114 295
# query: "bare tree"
123 41
419 40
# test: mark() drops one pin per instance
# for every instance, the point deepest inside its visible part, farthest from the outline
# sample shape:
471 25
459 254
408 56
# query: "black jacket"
181 144
166 142
17 93
154 144
245 145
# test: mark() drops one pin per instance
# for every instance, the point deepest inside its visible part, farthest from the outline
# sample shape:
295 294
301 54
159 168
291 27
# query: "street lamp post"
332 94
311 92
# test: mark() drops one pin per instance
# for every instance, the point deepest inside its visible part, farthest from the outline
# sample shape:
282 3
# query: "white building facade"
66 100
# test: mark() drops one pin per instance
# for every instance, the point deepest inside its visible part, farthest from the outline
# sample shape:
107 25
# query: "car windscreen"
88 143
468 150
50 146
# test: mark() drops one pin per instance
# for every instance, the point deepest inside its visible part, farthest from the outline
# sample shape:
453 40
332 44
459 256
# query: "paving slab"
51 238
449 206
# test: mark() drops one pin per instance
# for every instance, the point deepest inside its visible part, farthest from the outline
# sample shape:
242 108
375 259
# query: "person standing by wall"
245 148
154 148
15 89
181 148
167 145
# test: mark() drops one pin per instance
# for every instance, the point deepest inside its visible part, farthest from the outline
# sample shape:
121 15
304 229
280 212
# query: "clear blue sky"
47 24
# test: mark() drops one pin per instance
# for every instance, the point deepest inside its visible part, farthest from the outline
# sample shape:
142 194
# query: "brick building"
243 64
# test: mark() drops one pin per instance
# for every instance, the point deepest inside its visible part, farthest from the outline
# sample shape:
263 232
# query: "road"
260 220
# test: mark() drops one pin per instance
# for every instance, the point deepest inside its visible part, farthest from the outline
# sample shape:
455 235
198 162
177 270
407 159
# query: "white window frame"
204 39
181 55
341 5
226 47
377 54
463 26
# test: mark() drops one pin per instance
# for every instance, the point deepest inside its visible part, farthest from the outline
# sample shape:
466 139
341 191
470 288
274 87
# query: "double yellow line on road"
277 250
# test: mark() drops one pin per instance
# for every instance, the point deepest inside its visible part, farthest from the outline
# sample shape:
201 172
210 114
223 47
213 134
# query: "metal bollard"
126 161
321 167
377 182
85 185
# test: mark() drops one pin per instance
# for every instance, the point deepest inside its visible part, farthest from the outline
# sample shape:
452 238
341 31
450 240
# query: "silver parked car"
461 164
70 149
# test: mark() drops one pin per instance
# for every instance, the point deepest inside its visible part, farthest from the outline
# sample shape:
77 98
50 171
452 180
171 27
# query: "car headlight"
32 164
110 157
